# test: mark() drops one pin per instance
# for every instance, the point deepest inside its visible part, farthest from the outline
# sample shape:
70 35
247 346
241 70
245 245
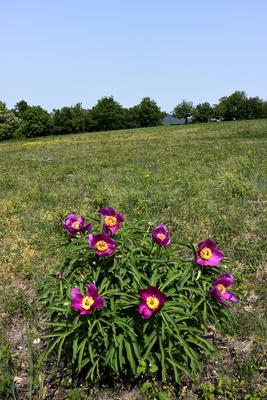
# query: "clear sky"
59 52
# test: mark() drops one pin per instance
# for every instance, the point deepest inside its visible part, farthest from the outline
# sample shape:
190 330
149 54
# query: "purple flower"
74 224
208 254
152 299
161 235
103 244
112 220
219 289
85 304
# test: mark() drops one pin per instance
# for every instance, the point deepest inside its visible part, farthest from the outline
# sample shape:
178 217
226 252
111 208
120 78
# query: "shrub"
147 304
9 125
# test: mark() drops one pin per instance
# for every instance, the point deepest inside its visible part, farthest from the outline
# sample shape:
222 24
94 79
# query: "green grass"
204 180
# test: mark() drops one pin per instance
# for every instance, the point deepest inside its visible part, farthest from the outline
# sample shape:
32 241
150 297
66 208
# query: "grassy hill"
205 181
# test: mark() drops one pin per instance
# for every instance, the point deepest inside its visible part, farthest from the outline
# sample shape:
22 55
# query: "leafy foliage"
115 340
149 112
203 112
107 114
35 121
9 124
71 120
184 110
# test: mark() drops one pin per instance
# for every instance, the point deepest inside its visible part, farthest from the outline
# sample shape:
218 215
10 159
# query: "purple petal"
99 302
68 222
147 313
72 216
141 307
87 227
229 296
101 253
113 229
107 212
167 241
91 240
233 297
92 290
120 217
207 243
110 250
200 261
144 310
81 220
162 298
225 280
217 294
86 312
149 291
144 294
219 254
76 299
214 260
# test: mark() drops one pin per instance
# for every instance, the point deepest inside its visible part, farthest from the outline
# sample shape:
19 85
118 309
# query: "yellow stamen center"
87 302
161 236
206 253
76 225
101 245
110 221
221 288
152 302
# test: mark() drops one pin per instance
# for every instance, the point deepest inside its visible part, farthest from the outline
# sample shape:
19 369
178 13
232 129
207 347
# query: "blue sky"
56 53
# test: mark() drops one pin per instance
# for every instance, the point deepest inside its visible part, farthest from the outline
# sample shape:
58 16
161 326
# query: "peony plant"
129 300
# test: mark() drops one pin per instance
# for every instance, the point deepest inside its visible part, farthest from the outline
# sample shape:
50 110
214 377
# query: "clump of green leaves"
115 340
7 369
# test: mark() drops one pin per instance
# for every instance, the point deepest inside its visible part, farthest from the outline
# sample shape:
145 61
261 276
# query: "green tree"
9 123
21 107
149 113
71 120
235 105
131 118
183 110
218 111
264 109
3 106
35 121
203 112
62 120
254 107
107 114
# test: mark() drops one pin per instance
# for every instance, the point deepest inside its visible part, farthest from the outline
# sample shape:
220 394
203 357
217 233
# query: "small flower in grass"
161 235
112 220
208 254
74 224
85 304
152 299
103 244
219 289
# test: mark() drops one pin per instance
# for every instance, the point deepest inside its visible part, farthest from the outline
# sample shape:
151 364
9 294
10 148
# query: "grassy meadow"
203 180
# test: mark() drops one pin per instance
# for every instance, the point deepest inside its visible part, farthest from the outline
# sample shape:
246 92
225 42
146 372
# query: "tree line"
33 121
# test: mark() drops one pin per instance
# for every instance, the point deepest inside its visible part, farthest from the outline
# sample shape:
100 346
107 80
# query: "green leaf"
163 364
163 396
170 280
60 348
74 348
130 356
176 366
145 386
151 340
81 353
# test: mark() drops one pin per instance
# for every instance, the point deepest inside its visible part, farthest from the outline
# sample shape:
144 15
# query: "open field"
206 181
